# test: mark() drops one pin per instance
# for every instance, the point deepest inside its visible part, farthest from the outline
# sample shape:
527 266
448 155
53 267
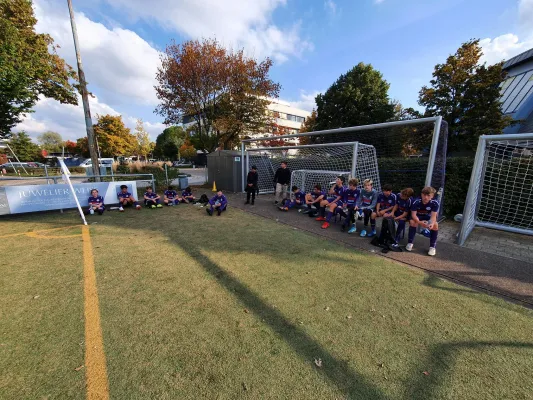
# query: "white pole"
66 174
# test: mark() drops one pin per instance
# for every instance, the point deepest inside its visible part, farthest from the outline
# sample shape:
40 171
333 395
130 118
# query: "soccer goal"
351 159
500 194
409 153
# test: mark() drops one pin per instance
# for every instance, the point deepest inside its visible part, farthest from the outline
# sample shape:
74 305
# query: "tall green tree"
29 65
143 139
358 97
24 148
168 143
50 141
114 139
467 96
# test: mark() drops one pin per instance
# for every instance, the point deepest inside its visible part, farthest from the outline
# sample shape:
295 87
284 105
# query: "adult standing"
282 178
251 184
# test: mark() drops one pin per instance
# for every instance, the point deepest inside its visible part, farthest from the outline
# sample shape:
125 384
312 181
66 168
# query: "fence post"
166 173
153 182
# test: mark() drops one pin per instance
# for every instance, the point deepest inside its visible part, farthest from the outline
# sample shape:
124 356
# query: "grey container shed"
224 168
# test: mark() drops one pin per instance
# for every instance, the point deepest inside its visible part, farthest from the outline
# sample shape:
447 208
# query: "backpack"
386 239
203 199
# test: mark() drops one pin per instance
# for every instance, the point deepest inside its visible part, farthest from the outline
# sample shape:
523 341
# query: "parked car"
181 163
103 162
29 164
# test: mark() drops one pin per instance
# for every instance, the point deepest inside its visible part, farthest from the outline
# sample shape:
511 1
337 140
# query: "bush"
458 171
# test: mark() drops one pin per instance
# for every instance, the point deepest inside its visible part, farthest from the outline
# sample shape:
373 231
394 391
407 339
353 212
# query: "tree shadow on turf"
440 362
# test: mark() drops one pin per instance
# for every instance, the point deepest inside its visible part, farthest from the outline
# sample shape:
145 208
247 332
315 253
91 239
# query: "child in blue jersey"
218 203
314 198
351 196
424 214
385 203
401 211
170 197
152 199
126 199
187 196
96 203
336 200
367 203
297 200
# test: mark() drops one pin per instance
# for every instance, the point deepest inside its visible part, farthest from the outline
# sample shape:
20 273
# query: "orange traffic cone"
214 186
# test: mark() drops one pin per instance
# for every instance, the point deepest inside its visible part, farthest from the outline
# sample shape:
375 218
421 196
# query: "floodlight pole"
91 139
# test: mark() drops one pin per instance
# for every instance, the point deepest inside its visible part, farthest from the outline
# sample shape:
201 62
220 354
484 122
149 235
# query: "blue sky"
311 42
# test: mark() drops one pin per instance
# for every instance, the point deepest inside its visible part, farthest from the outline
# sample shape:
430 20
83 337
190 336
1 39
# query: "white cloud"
306 100
69 120
118 61
503 47
509 45
240 24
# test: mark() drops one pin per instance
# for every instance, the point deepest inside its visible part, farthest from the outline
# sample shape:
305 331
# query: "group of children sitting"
368 205
171 197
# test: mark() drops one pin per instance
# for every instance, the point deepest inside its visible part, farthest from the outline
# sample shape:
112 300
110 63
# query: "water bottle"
458 218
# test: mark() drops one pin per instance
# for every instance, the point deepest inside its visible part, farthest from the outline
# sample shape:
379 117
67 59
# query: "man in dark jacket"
282 178
251 184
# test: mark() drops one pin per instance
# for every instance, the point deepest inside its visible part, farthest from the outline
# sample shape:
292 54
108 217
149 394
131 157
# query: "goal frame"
245 166
432 152
475 190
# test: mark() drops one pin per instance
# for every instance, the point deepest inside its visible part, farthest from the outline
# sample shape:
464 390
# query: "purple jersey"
171 194
315 195
299 197
123 195
151 195
351 196
339 192
96 200
423 211
186 194
386 202
216 199
403 206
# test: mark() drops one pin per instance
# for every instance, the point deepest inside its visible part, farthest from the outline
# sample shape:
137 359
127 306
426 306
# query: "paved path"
494 273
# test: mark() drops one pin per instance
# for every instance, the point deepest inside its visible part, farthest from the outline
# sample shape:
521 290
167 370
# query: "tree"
114 139
82 147
467 96
24 148
187 150
309 125
29 65
51 141
404 114
277 130
143 139
168 143
222 91
70 147
359 97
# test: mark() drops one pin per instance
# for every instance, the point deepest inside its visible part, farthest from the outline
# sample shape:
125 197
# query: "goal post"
410 153
500 193
352 159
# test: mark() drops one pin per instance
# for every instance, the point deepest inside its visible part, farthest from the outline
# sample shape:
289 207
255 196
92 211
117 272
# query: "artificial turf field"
173 304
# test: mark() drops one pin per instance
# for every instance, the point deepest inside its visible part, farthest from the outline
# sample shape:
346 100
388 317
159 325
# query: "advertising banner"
32 198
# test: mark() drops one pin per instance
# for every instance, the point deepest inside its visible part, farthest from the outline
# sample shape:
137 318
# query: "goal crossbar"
500 193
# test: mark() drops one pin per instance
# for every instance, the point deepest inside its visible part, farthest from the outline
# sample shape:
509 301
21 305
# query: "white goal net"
500 195
351 159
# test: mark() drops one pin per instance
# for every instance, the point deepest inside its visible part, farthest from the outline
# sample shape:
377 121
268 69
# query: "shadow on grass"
335 370
440 361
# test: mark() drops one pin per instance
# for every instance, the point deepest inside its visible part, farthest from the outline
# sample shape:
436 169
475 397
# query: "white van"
108 162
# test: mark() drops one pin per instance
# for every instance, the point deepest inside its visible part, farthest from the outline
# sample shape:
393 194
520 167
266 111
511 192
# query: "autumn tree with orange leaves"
224 91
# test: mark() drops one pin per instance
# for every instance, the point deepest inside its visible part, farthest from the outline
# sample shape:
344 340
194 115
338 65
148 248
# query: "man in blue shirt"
424 214
126 199
152 199
96 203
170 197
218 202
298 199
